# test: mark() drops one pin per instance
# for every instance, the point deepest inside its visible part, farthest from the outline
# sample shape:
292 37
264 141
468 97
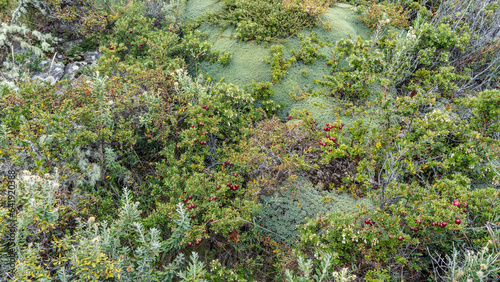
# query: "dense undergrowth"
139 171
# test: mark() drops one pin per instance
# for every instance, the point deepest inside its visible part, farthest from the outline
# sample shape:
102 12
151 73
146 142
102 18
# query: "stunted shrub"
376 13
92 251
266 20
311 7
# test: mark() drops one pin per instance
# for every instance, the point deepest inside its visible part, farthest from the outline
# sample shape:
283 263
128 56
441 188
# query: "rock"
20 50
67 45
92 57
496 135
71 69
51 73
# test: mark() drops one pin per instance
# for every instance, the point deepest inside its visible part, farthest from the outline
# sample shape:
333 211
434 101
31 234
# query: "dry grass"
311 7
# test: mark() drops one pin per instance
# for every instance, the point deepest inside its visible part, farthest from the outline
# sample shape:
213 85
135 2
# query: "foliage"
263 91
288 207
377 13
308 53
468 264
16 33
279 65
312 7
485 117
322 270
93 251
208 172
364 64
264 20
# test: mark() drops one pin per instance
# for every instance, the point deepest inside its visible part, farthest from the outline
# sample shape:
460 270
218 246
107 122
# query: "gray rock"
496 135
67 45
92 57
20 50
51 72
71 69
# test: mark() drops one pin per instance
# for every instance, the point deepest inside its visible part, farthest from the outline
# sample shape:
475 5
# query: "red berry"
227 162
329 150
235 175
251 117
340 127
334 139
411 228
205 231
463 19
192 125
415 229
289 117
196 140
218 187
367 221
185 200
190 207
465 204
458 221
418 221
325 129
337 144
215 198
194 215
327 124
236 186
131 31
443 224
342 124
201 124
228 184
197 243
400 238
263 87
465 210
190 244
140 44
111 48
190 197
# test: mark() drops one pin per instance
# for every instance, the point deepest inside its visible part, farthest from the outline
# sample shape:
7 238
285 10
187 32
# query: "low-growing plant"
264 20
309 53
279 65
390 13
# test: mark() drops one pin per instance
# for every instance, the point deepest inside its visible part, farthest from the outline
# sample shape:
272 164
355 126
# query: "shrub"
279 65
120 249
380 13
312 7
16 33
308 53
251 24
